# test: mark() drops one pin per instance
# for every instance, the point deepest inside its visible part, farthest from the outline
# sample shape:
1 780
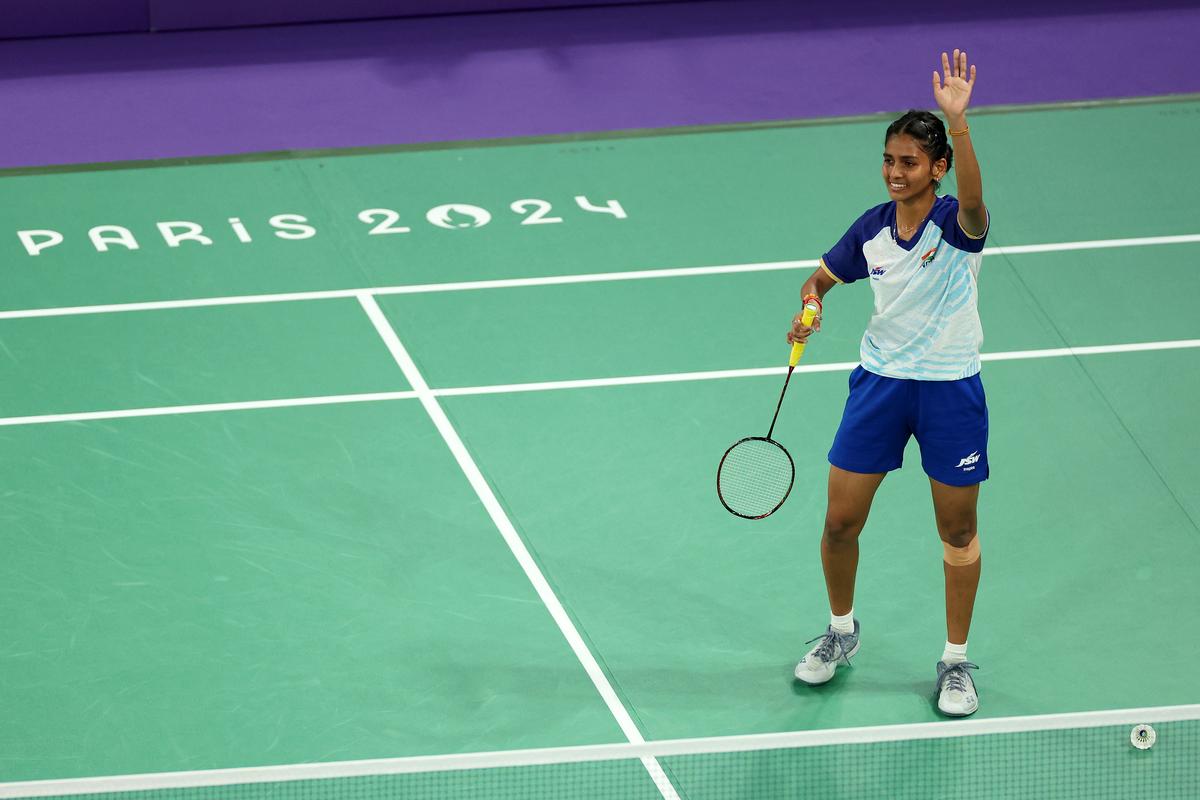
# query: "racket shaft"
779 405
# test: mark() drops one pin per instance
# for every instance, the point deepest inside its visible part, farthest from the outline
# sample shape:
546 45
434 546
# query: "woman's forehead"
901 144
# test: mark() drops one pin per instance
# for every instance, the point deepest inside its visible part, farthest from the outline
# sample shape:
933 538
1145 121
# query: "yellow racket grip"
806 318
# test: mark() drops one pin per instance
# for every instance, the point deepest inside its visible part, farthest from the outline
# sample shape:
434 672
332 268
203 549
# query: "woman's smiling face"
907 169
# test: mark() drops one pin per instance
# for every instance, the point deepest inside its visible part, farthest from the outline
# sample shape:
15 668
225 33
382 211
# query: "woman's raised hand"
953 92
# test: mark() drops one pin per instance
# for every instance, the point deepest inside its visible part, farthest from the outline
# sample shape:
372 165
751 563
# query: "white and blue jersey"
926 322
920 355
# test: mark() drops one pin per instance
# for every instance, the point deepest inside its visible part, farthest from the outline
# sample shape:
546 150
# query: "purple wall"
22 18
185 94
36 18
180 14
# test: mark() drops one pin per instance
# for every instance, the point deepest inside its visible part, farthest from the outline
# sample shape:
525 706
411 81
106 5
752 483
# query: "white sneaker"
833 647
956 690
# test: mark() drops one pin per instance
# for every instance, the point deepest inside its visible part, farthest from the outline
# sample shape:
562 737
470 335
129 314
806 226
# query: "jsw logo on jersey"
877 272
967 464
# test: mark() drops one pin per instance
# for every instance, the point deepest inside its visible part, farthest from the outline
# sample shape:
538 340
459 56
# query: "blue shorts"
949 419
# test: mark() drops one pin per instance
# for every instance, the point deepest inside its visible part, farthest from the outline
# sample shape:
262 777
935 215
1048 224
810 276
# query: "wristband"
963 132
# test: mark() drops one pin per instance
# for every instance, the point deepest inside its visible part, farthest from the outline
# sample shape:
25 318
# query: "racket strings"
755 477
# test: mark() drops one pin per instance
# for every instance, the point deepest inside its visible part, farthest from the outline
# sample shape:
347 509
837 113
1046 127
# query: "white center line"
515 543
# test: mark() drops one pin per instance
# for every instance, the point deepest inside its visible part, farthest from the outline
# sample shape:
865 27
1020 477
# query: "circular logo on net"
458 215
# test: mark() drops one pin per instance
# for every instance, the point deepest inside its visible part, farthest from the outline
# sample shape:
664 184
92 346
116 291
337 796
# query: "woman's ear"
939 169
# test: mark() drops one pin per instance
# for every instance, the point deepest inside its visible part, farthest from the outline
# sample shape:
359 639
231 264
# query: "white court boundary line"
556 280
582 383
605 752
514 541
204 408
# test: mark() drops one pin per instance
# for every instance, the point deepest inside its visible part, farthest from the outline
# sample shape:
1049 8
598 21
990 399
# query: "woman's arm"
953 95
817 284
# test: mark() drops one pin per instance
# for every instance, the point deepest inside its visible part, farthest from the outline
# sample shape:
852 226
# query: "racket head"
754 477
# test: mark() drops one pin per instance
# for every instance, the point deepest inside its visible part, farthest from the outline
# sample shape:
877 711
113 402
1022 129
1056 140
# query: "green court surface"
311 576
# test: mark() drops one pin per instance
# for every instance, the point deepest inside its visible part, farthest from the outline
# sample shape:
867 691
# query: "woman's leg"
850 496
954 510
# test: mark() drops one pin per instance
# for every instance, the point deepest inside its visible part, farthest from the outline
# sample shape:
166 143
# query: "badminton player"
919 371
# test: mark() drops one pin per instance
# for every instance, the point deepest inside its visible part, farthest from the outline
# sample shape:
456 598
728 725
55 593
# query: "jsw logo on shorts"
967 463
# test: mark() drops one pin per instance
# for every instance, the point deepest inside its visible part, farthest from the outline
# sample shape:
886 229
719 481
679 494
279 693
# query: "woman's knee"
957 533
843 527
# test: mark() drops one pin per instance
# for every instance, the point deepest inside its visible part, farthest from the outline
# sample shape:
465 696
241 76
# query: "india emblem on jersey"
927 257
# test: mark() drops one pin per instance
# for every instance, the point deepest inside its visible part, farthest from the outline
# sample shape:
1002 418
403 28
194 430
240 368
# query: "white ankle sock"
844 623
955 653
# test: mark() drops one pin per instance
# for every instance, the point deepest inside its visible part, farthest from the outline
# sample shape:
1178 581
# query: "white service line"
632 380
583 383
416 288
824 737
203 408
1092 244
597 277
160 305
839 366
554 280
513 539
1092 350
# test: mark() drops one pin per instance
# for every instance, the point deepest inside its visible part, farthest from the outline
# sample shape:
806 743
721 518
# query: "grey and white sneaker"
833 648
956 690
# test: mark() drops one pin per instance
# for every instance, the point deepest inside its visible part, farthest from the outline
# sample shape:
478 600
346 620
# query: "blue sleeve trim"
845 260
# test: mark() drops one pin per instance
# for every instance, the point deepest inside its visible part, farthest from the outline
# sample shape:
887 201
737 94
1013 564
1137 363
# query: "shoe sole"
946 713
837 664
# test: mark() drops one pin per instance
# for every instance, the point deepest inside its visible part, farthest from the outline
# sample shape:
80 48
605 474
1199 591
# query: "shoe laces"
830 639
955 676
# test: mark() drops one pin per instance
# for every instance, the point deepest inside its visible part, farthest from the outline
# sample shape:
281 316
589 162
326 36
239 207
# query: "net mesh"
1098 763
755 477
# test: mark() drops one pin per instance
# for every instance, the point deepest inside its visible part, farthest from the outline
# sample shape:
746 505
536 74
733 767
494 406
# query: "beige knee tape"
962 556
